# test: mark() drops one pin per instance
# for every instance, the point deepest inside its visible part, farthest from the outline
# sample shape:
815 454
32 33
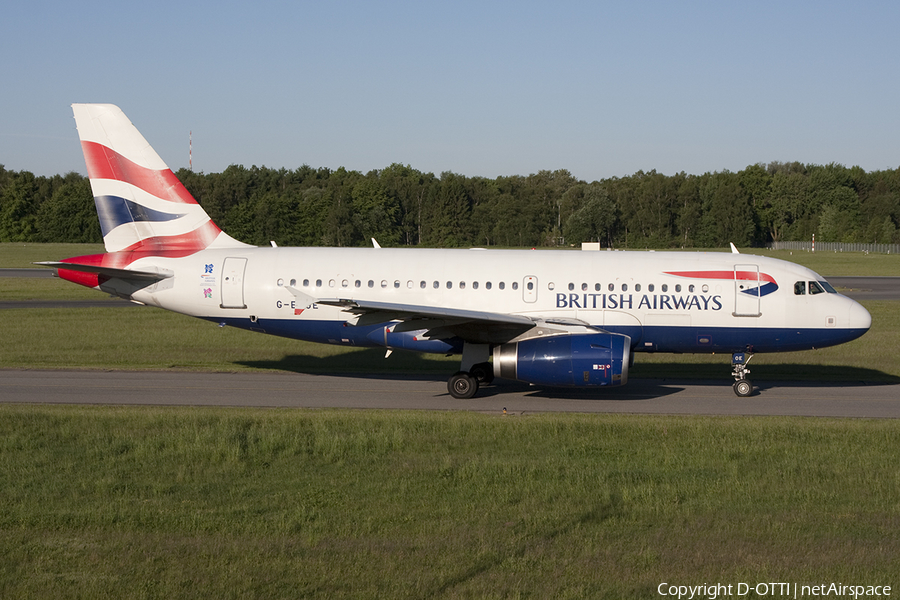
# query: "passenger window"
530 285
624 287
584 287
571 287
611 287
487 285
371 283
383 283
501 285
422 284
331 283
597 287
665 287
462 285
293 283
306 283
345 283
551 286
677 287
449 285
800 288
318 283
691 288
357 283
515 285
705 288
637 287
396 284
649 287
815 288
474 285
437 285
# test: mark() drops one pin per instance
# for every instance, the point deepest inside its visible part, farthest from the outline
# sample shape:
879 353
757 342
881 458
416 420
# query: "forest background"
401 206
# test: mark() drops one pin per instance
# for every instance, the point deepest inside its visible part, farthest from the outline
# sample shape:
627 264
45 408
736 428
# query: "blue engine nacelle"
566 360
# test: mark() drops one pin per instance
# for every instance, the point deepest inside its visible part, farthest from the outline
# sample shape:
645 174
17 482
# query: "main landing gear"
742 385
474 370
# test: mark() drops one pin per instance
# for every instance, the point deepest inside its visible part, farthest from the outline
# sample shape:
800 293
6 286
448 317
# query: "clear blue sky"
479 88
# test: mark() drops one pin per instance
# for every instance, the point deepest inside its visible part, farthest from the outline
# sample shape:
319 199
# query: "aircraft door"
746 291
529 289
233 283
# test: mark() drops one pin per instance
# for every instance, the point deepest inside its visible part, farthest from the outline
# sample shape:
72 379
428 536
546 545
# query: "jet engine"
590 359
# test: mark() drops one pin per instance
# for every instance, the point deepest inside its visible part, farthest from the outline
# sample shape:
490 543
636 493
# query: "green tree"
70 215
593 221
18 221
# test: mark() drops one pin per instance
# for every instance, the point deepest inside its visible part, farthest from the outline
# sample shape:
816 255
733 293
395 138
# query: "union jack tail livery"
141 204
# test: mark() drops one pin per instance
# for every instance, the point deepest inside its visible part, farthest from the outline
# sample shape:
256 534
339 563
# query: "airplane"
548 318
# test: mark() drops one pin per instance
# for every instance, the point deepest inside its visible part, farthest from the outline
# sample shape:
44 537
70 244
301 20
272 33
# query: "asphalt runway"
297 390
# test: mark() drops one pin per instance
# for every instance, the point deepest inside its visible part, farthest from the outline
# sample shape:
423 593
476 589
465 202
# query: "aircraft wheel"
483 372
743 387
462 385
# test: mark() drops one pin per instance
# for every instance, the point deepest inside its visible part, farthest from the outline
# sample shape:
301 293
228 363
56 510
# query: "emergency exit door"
233 283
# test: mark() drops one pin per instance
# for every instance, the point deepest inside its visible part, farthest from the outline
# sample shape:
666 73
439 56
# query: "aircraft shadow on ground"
764 374
647 380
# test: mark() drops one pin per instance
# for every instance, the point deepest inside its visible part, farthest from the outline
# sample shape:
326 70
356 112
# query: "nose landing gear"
739 361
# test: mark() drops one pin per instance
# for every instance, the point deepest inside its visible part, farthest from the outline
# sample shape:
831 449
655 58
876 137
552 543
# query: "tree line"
401 206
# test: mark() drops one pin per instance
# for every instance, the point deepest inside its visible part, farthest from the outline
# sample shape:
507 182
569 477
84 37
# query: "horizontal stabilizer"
111 272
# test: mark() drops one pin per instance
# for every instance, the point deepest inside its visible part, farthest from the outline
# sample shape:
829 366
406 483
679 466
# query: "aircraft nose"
859 316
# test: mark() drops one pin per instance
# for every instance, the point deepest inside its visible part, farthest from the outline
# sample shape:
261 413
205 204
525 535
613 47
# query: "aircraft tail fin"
141 204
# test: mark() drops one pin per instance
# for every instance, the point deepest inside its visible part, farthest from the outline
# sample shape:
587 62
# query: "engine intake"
594 359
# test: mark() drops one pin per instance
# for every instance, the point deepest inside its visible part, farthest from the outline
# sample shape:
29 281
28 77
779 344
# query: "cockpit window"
828 287
800 288
815 288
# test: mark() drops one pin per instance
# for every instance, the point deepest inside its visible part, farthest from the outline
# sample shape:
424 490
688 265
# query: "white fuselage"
666 301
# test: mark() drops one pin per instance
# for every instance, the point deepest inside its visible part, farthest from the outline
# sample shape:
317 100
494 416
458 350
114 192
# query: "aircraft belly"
699 339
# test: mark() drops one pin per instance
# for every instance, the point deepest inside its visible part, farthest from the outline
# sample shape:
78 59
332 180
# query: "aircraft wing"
439 322
127 274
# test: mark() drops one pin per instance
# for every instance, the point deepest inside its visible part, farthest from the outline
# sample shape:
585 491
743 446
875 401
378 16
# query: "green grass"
838 264
17 255
176 503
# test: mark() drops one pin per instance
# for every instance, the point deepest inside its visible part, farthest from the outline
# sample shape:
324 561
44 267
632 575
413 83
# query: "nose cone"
859 318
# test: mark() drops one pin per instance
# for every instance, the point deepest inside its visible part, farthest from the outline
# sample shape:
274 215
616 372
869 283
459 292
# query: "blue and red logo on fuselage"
767 283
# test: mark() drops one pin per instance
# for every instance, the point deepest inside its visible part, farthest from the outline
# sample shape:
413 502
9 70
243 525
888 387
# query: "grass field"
177 503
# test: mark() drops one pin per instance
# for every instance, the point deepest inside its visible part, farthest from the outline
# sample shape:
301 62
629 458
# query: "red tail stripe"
104 163
178 245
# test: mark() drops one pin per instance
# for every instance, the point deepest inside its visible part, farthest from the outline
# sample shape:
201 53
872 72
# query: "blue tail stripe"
114 211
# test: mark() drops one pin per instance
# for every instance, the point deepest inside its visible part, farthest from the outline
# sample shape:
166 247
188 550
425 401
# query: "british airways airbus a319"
549 318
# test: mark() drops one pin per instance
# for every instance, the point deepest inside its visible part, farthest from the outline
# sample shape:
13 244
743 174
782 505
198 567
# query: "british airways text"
647 301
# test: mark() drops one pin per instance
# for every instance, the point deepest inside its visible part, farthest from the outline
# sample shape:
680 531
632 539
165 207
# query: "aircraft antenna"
191 151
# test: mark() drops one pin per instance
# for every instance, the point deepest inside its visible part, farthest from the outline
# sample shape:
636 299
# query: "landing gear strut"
742 385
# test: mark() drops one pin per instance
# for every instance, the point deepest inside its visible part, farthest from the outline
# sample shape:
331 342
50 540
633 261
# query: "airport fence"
835 247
